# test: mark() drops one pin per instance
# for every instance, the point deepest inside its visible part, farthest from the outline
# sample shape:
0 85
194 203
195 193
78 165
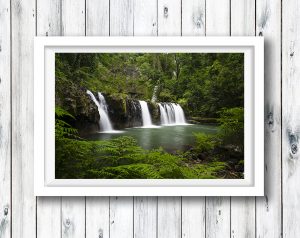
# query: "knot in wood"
166 12
68 222
294 148
198 22
5 210
100 233
270 120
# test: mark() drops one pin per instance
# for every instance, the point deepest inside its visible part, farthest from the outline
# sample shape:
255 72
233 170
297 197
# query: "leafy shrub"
62 128
232 126
204 142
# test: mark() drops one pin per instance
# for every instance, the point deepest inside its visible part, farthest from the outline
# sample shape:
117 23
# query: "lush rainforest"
207 87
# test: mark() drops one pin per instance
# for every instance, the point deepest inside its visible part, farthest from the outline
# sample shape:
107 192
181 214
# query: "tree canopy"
203 83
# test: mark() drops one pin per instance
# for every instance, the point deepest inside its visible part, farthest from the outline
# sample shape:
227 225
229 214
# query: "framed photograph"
149 116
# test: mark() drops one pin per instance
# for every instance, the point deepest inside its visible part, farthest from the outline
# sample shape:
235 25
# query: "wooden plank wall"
274 215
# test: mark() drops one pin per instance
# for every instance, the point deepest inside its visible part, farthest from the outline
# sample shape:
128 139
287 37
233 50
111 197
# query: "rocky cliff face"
76 101
124 112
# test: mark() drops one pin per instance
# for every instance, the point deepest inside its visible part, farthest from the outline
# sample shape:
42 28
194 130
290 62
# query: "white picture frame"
45 183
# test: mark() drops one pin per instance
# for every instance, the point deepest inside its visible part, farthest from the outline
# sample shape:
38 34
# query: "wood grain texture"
73 17
290 117
193 17
218 208
97 17
169 217
218 17
121 208
73 208
121 17
169 208
268 208
5 120
145 17
23 200
97 217
130 218
193 208
193 217
48 223
242 17
48 20
217 217
97 208
242 208
145 217
73 217
145 208
169 17
121 217
48 23
242 217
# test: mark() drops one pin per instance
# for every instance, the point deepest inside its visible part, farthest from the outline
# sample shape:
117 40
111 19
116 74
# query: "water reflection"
171 138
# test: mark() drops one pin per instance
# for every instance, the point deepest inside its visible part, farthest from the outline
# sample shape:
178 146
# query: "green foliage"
204 83
62 128
122 158
232 126
204 142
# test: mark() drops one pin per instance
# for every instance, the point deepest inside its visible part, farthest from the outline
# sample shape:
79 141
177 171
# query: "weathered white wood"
73 217
73 17
268 208
242 217
242 208
193 17
121 17
5 120
217 208
145 208
217 217
23 200
97 208
242 17
48 18
73 208
48 208
193 208
169 217
48 217
121 217
97 18
145 17
145 217
290 117
218 17
193 217
97 217
121 208
169 208
169 17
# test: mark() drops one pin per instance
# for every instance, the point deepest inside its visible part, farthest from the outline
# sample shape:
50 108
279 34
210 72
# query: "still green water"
170 138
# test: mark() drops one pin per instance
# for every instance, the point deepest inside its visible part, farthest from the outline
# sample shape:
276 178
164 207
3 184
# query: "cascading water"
105 124
145 114
171 113
154 96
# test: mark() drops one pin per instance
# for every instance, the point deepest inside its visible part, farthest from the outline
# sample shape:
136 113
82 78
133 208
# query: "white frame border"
44 88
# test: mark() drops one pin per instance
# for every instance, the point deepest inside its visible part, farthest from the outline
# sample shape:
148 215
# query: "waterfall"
145 114
171 113
154 96
105 124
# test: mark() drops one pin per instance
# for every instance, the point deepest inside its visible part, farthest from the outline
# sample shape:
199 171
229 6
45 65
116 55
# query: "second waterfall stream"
105 124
